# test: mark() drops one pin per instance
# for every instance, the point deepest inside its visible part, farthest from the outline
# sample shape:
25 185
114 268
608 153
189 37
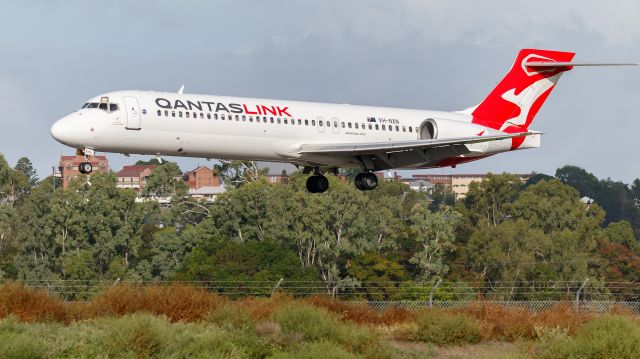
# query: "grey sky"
441 55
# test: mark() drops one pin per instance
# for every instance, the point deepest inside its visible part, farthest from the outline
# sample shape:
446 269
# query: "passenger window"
377 127
384 127
159 112
306 122
215 116
404 129
237 118
328 123
356 124
224 118
390 128
349 124
179 113
250 118
410 129
278 120
285 121
244 118
342 124
370 126
335 123
173 114
186 114
208 116
299 122
313 123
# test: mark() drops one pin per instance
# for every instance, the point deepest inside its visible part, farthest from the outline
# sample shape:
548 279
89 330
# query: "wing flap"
400 146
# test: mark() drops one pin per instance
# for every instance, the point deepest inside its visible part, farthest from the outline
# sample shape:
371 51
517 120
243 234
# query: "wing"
396 154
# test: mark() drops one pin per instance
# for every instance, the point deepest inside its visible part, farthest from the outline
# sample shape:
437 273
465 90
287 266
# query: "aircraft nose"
61 130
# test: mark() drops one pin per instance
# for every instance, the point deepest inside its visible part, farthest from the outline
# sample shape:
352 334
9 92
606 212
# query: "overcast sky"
440 55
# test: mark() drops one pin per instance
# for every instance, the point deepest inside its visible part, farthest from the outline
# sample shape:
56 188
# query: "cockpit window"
109 107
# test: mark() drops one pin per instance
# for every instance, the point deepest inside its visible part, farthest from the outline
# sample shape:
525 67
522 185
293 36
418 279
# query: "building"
207 194
458 183
134 177
68 166
202 176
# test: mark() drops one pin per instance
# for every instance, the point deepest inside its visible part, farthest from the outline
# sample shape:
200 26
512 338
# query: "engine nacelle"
438 128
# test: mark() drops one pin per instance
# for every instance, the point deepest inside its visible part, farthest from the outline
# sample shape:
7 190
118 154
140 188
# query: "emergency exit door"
133 113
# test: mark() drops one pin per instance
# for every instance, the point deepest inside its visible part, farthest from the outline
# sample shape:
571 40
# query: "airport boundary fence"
605 297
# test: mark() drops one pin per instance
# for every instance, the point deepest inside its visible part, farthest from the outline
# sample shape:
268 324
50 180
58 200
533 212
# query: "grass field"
183 322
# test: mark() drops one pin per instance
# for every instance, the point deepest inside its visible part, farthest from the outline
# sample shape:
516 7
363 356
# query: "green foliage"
446 329
166 181
382 276
606 337
315 324
235 266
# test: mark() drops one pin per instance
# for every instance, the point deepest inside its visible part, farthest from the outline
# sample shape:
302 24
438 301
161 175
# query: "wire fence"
381 295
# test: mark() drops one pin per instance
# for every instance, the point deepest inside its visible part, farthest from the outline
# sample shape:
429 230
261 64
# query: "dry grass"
179 303
362 314
182 303
30 305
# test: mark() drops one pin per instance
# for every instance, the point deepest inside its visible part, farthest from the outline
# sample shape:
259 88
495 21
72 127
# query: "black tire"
358 181
370 181
85 168
311 184
317 184
322 184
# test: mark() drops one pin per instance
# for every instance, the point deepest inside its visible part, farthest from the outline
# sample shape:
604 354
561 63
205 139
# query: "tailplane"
515 101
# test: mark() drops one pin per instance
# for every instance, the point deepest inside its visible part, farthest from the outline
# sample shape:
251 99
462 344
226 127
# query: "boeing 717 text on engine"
315 135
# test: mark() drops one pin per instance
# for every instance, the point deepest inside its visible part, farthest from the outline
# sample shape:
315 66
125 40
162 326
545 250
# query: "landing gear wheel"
317 184
85 168
366 181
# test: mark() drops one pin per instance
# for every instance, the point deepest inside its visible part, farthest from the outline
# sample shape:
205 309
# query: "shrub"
317 324
29 305
22 346
362 314
176 302
500 322
319 350
442 328
606 337
140 335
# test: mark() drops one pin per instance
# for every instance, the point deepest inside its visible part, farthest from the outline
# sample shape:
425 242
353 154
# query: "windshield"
109 107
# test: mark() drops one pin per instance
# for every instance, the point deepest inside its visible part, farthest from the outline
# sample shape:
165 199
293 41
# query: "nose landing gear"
85 167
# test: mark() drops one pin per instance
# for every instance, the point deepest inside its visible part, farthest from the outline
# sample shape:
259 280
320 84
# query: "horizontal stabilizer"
567 64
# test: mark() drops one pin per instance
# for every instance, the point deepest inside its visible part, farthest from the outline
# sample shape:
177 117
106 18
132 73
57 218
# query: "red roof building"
134 177
68 166
202 176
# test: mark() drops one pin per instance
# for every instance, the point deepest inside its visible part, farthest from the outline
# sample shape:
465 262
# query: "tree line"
505 240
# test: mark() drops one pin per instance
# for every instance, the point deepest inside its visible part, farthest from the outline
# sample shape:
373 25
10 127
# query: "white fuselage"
156 123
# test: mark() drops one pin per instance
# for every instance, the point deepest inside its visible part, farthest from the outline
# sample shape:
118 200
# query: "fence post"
578 294
433 291
277 286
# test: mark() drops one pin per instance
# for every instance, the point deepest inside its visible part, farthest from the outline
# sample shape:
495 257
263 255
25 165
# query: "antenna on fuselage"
181 90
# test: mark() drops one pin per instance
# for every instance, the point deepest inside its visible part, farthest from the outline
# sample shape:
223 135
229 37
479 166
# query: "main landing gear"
366 181
318 183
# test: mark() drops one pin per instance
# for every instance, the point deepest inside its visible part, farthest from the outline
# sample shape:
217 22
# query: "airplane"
319 136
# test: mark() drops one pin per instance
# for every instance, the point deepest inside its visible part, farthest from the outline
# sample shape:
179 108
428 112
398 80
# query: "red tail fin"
512 105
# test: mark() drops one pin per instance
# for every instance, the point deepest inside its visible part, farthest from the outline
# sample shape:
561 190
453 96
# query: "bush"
502 323
362 314
446 329
140 336
606 337
316 324
29 305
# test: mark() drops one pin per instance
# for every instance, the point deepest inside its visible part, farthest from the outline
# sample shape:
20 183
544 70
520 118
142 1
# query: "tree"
489 201
166 181
436 233
236 173
382 277
25 167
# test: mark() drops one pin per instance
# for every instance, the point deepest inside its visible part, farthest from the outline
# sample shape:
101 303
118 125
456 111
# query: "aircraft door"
133 113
